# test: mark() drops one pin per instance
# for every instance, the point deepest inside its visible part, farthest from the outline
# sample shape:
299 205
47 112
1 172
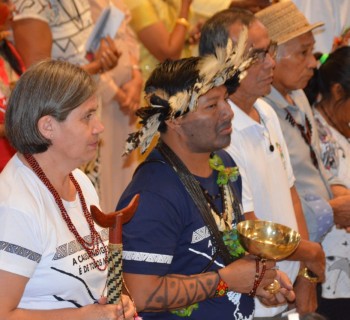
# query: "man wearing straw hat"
181 254
323 198
259 149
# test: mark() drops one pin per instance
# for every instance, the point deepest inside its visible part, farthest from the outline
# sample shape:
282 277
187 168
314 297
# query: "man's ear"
46 126
173 124
337 91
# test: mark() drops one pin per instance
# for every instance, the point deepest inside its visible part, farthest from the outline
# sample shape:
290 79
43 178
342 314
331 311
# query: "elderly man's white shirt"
267 176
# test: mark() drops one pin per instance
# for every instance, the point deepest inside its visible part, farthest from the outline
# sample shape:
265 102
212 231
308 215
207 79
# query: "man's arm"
341 211
155 293
166 45
341 206
299 215
310 255
308 252
339 190
252 5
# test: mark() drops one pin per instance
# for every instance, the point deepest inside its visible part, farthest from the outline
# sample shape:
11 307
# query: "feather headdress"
230 62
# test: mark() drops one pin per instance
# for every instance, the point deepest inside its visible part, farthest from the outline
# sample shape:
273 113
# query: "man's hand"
341 210
240 274
283 296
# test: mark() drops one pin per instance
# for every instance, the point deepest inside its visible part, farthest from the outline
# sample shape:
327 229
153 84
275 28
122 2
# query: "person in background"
120 91
163 30
208 8
59 30
53 258
205 9
342 40
334 14
258 147
332 114
324 198
11 67
200 270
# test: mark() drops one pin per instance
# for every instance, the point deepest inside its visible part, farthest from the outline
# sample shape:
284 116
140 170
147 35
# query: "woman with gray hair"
52 255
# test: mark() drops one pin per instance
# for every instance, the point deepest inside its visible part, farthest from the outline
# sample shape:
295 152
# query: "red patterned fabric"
6 151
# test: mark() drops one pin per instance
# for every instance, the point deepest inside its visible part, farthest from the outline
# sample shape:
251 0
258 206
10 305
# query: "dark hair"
171 77
50 87
215 31
336 69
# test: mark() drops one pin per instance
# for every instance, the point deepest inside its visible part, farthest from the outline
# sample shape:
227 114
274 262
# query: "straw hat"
284 21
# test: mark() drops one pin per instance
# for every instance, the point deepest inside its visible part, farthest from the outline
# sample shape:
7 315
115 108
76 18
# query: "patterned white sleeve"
33 9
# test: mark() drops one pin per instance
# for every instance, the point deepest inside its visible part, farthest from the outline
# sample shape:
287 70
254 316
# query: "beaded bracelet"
258 278
222 287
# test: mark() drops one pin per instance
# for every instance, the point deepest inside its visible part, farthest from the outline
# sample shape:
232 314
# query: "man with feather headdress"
181 254
260 151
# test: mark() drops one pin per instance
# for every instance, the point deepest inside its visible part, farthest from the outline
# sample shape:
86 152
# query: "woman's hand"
195 33
104 59
107 54
129 308
132 94
124 310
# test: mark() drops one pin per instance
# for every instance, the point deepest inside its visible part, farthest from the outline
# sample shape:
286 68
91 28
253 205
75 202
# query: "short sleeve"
151 237
29 9
20 243
143 14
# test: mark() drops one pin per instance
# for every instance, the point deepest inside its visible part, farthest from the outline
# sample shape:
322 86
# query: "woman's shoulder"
21 191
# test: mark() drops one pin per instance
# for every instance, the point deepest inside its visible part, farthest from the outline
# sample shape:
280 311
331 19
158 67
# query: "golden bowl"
267 239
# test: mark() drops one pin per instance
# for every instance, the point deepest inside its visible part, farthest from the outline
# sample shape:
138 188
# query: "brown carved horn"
107 220
115 220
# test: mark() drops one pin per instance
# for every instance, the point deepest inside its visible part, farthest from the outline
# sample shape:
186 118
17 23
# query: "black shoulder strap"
193 188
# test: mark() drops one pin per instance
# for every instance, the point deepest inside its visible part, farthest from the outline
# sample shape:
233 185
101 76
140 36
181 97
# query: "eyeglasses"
260 54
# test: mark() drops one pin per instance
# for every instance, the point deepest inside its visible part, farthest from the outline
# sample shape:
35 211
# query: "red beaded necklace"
90 247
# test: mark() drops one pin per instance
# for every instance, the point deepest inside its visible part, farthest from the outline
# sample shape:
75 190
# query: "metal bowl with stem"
268 240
